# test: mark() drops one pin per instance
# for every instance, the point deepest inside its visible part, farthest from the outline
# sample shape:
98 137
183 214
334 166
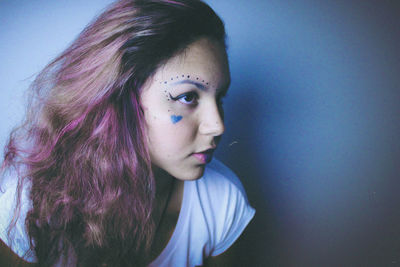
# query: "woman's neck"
163 181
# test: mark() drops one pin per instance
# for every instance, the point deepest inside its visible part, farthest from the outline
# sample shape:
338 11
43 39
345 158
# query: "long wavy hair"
82 147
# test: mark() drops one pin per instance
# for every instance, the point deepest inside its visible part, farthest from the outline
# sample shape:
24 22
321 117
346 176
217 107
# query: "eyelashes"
190 98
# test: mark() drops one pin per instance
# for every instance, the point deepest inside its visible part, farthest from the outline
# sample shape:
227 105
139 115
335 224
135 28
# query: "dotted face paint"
167 95
183 75
175 118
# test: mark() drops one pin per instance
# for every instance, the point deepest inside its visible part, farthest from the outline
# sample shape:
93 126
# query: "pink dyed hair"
82 147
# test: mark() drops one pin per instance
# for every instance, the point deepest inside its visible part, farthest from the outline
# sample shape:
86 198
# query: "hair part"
82 147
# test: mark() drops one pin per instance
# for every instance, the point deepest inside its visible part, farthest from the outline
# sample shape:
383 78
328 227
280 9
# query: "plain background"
312 118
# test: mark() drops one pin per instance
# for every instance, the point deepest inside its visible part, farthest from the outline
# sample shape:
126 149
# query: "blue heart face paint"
175 118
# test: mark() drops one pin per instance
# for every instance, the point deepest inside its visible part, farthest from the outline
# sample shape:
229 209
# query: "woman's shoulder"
220 177
8 190
224 204
221 190
17 239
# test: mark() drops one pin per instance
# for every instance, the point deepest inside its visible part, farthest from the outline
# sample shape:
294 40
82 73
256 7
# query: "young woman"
113 165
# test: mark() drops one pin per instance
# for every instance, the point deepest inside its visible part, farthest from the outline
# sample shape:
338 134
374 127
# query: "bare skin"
183 114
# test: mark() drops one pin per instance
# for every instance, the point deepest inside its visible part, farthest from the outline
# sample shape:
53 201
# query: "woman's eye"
187 98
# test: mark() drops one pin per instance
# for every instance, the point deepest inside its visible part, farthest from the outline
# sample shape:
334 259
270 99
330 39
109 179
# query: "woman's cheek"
176 113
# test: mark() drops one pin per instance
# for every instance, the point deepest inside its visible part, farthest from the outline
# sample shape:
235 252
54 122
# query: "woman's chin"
192 174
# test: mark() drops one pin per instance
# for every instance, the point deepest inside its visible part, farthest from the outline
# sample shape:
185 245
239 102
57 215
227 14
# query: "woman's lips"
204 157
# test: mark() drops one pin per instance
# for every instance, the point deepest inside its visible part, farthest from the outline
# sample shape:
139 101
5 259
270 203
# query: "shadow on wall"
242 149
313 130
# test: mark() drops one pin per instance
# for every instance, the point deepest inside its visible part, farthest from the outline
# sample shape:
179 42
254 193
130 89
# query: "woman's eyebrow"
197 84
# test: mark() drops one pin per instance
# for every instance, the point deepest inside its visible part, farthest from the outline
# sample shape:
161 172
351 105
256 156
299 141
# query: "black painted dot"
172 79
203 81
188 76
183 75
177 77
197 78
165 82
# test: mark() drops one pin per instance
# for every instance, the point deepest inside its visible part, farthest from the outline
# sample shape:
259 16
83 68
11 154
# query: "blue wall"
312 118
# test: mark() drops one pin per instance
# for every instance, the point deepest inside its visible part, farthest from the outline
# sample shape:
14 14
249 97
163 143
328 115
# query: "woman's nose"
211 120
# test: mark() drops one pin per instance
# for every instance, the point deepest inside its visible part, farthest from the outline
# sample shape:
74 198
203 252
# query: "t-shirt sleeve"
18 241
234 216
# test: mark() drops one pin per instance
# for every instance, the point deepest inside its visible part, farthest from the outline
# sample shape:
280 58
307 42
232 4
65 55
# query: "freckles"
175 118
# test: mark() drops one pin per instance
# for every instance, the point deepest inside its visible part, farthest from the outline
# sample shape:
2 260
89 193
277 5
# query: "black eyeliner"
173 98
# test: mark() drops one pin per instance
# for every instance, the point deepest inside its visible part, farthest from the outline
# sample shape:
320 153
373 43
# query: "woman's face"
182 105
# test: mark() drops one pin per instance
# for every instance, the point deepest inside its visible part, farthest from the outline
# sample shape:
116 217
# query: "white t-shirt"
214 213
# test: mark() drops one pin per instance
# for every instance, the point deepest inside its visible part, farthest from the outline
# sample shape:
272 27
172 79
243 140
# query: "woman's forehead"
203 61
